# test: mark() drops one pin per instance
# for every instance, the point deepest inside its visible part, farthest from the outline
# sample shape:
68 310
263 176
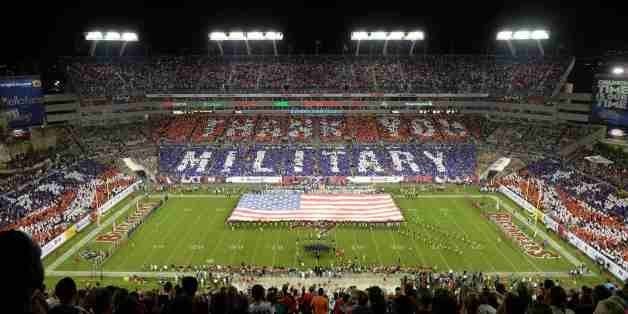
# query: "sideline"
171 274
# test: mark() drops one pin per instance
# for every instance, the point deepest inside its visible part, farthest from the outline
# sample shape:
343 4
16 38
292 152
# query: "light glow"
255 36
395 36
617 133
94 36
381 35
504 35
274 36
128 36
218 36
618 70
242 36
540 34
417 35
237 36
523 34
112 36
359 36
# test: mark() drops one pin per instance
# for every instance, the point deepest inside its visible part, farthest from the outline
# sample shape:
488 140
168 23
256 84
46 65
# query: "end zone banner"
21 99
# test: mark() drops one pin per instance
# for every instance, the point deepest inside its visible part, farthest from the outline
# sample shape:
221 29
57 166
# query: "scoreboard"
610 105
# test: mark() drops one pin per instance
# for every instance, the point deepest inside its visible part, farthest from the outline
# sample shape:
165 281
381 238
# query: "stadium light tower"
111 36
523 34
219 37
413 36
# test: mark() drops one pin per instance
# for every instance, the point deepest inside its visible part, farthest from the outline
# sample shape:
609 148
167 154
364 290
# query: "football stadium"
381 178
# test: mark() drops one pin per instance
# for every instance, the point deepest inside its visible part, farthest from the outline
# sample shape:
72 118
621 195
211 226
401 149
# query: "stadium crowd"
496 75
443 162
421 292
615 173
590 209
48 201
447 128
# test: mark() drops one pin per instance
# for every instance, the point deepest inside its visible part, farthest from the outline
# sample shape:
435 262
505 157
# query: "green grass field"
191 231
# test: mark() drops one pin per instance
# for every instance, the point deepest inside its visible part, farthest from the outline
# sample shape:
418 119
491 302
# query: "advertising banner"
52 245
83 223
375 179
21 101
611 101
281 104
254 179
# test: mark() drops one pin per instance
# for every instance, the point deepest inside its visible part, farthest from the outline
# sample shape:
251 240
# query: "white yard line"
183 238
203 238
274 246
440 253
396 248
379 256
468 237
255 247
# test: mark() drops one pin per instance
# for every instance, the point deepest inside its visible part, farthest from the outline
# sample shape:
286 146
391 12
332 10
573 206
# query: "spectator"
320 304
362 306
558 301
67 294
24 294
259 305
100 302
611 305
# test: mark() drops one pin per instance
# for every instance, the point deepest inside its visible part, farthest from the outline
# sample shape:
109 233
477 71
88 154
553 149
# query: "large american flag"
295 206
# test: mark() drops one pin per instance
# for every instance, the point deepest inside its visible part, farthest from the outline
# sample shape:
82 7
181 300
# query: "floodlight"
255 36
218 36
378 36
521 35
618 70
416 35
274 36
129 36
112 36
359 36
237 36
94 36
539 34
395 36
504 35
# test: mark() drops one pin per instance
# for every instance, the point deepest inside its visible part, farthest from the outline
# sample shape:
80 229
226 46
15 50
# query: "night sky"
42 31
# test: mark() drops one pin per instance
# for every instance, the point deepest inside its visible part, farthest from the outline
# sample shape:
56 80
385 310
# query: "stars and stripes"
296 206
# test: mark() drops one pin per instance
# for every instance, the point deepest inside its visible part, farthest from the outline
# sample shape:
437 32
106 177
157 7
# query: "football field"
442 231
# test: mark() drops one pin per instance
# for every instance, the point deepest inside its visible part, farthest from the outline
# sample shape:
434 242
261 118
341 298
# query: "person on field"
320 304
